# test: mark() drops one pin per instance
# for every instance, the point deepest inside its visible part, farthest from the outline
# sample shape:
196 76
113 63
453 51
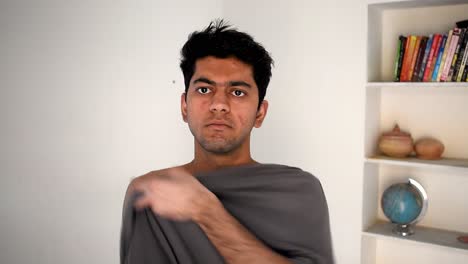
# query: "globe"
404 204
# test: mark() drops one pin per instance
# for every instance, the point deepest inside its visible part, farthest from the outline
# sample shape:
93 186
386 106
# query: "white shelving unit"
445 163
439 110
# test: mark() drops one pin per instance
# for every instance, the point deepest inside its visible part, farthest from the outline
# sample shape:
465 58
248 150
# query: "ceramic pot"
429 148
396 143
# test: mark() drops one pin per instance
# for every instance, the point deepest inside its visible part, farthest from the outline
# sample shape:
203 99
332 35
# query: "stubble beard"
220 145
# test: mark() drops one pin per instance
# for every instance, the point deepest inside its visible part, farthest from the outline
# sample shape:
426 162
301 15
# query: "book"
444 56
414 56
462 24
462 64
460 57
432 57
464 76
399 57
450 53
425 58
410 44
419 58
439 58
455 55
404 64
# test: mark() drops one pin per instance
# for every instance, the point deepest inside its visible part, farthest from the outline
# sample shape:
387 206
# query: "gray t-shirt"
284 207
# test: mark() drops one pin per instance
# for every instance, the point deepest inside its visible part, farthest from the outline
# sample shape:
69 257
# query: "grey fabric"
282 206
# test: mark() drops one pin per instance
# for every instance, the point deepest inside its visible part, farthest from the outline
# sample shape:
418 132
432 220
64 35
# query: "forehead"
223 69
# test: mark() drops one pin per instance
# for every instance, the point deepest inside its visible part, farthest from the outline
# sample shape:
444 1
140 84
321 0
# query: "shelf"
386 4
445 163
387 20
417 84
425 109
426 235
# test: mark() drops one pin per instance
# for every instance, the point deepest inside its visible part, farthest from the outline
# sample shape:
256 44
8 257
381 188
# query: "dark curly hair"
220 40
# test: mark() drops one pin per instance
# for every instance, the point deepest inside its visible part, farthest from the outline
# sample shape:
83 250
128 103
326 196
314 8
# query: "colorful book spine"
407 58
419 58
460 57
450 53
444 56
463 64
399 57
439 58
465 75
455 55
432 57
414 57
425 58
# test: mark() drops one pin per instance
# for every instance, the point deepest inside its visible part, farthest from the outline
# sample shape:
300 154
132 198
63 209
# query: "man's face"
221 105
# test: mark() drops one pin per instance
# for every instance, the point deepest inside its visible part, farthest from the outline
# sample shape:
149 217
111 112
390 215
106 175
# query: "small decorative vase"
396 143
429 148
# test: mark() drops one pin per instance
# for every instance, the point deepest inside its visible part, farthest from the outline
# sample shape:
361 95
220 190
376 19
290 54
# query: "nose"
219 103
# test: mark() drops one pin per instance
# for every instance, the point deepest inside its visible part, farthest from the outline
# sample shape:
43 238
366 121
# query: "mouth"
218 125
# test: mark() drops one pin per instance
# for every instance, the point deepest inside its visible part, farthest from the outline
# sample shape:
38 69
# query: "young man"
223 206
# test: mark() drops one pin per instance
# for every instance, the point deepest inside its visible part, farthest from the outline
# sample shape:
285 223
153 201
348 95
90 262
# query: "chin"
219 147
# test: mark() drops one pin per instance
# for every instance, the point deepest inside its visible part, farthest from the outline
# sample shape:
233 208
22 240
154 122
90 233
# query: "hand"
173 193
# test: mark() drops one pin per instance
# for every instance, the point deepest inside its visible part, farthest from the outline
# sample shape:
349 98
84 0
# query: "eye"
238 93
203 90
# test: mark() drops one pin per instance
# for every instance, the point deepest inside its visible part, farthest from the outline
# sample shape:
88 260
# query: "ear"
261 113
183 107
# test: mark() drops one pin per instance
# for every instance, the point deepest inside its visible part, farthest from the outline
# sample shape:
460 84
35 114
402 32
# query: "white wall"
316 99
87 100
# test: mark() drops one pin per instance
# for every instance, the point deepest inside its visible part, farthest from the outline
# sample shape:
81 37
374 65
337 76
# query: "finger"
143 202
139 186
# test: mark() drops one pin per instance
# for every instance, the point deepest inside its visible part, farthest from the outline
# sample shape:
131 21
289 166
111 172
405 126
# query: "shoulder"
288 178
306 187
148 176
302 180
157 173
292 172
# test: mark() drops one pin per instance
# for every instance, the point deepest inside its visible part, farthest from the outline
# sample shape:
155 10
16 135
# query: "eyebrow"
230 83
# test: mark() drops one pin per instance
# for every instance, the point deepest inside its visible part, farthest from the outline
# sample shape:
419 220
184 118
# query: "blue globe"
402 203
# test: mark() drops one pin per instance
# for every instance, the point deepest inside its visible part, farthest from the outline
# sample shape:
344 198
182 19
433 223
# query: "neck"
205 161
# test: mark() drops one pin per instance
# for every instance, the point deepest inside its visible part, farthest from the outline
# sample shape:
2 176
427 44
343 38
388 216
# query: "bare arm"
233 241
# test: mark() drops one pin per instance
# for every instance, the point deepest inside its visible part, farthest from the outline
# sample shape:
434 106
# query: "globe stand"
403 230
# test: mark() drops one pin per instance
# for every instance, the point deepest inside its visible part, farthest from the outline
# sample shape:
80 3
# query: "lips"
218 125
